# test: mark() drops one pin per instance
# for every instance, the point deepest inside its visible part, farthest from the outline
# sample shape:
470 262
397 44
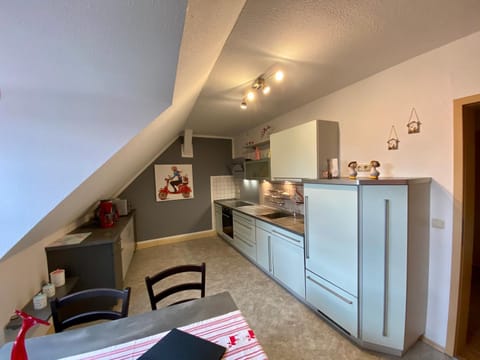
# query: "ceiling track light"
260 84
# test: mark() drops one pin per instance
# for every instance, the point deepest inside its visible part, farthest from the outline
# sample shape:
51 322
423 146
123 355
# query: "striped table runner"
229 330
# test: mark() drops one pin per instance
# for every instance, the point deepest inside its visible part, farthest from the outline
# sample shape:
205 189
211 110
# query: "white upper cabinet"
302 151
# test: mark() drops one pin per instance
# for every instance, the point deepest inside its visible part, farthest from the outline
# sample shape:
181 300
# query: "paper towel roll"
57 277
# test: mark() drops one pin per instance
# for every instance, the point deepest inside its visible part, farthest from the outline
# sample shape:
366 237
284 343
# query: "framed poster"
173 182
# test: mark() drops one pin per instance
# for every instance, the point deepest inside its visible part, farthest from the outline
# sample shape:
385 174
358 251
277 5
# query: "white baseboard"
174 239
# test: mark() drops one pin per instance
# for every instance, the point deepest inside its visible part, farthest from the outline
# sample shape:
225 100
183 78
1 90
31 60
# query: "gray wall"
160 219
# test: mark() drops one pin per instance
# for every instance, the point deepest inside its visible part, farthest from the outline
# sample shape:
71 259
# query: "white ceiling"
322 46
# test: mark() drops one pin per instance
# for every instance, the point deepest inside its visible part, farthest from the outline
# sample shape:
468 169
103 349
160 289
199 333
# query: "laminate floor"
286 328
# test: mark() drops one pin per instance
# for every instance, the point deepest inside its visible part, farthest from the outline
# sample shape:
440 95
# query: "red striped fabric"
229 330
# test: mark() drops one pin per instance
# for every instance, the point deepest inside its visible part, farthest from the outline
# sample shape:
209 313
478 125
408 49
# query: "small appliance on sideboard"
122 206
106 213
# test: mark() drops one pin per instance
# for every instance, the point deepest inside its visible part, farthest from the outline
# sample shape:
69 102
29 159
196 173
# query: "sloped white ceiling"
75 148
322 45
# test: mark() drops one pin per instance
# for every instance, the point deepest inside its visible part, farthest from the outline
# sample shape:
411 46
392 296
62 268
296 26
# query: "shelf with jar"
257 151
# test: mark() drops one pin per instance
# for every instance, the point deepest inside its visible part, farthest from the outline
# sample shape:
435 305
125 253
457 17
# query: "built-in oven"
227 221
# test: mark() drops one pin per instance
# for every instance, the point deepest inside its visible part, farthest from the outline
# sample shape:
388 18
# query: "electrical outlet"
438 223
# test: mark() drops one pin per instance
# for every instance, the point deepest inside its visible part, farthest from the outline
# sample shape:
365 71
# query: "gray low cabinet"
97 260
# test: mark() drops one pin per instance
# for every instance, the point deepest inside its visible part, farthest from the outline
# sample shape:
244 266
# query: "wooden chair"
88 305
151 281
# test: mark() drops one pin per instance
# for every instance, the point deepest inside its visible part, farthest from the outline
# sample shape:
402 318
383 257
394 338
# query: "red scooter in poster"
181 188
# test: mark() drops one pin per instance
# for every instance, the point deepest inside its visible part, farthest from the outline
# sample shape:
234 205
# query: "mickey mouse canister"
49 290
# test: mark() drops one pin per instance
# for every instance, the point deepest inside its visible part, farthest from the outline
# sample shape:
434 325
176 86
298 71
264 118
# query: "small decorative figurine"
352 169
374 173
18 349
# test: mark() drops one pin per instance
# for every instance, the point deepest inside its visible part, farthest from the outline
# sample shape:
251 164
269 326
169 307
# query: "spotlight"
260 84
279 75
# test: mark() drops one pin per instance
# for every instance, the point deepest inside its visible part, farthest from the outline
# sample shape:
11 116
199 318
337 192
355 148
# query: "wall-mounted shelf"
258 144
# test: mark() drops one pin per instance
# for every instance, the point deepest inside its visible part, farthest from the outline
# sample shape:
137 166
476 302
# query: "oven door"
227 222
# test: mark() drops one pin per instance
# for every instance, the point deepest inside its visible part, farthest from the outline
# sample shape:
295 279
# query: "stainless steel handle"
305 220
286 237
385 267
344 299
269 255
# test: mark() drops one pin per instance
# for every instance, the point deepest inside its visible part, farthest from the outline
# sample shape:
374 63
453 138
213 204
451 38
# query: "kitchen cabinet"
302 151
263 233
280 254
257 169
218 219
394 236
288 260
97 260
331 226
127 241
244 235
367 257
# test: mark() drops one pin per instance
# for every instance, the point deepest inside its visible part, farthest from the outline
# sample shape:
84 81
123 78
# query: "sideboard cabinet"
100 260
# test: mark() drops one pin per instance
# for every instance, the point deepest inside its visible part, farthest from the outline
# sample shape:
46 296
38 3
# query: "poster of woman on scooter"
173 182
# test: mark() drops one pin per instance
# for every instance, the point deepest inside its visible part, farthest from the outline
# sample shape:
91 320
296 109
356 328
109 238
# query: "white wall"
24 268
366 112
78 81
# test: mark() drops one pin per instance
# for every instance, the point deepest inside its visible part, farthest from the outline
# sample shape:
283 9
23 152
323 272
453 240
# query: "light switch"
438 223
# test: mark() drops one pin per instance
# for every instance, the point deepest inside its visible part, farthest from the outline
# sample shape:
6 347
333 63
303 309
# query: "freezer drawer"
338 305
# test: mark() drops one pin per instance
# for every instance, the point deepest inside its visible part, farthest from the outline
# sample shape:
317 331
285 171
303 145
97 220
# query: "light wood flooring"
286 328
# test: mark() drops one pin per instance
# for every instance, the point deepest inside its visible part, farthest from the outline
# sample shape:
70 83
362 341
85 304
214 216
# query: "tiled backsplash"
284 196
224 187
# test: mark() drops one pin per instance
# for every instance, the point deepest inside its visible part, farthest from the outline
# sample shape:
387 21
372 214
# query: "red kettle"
107 213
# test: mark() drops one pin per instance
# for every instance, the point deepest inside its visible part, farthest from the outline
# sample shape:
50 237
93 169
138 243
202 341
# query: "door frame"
462 242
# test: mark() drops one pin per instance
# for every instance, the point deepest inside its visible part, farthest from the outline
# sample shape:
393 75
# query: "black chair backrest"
151 281
88 305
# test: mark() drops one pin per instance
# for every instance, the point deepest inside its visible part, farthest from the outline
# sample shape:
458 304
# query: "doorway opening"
463 336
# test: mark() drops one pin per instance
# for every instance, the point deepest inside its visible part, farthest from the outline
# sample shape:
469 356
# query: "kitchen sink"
238 203
276 215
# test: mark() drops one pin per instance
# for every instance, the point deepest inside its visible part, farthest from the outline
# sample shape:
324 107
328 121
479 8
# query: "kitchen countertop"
368 181
291 223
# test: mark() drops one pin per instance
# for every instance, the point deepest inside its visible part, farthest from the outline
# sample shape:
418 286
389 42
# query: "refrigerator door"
332 234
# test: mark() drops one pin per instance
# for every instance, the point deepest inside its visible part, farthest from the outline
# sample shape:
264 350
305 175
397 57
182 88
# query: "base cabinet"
244 235
340 306
218 219
288 260
389 224
263 233
98 261
127 241
394 261
281 254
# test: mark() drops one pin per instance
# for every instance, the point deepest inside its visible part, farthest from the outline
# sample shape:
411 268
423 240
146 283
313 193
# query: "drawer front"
338 305
264 225
245 246
244 218
288 236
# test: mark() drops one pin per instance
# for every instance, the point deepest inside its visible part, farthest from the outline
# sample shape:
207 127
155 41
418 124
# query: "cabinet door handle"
286 237
305 220
269 254
344 299
385 267
245 226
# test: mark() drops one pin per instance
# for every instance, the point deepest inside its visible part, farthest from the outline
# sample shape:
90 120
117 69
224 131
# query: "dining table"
215 318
